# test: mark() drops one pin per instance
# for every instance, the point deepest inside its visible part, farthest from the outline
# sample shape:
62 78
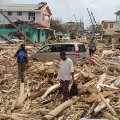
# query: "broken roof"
118 12
27 23
109 21
25 7
34 25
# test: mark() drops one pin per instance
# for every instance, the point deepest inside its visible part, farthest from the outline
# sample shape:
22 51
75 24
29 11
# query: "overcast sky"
65 9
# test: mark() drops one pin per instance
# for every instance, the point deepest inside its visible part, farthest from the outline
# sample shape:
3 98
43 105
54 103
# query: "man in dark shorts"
22 59
65 74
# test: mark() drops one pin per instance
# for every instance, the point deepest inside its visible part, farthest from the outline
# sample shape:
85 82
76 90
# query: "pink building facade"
45 17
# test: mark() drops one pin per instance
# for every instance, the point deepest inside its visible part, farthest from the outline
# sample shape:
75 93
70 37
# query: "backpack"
22 56
73 90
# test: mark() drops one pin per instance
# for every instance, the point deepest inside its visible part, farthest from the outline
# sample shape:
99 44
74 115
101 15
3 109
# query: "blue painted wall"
36 36
4 31
42 36
118 21
32 33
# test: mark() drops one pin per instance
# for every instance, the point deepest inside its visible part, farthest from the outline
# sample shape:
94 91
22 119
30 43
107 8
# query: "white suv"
75 51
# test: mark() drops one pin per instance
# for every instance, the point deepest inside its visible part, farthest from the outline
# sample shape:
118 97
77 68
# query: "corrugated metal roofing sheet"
118 12
21 7
109 21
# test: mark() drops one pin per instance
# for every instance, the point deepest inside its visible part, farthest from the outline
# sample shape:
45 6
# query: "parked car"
76 51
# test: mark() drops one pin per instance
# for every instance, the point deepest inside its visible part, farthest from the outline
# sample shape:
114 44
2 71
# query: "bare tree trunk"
59 109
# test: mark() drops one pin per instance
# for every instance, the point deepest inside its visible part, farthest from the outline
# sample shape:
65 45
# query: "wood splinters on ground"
39 96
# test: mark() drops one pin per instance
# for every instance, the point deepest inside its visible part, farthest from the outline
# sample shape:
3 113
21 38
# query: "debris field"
98 83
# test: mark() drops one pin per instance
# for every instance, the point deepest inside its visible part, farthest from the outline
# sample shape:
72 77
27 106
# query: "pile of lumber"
98 83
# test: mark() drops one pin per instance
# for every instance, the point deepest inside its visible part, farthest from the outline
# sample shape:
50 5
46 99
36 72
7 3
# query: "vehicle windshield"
45 49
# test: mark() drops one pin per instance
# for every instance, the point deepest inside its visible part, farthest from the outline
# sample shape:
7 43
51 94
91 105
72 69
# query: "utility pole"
81 26
21 32
75 18
95 22
91 20
76 23
71 26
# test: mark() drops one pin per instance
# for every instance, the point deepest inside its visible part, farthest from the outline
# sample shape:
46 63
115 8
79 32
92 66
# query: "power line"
75 18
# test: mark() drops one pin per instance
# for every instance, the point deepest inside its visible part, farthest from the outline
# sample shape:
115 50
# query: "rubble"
97 82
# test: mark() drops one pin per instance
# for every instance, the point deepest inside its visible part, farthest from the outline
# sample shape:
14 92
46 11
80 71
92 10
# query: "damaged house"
32 19
118 21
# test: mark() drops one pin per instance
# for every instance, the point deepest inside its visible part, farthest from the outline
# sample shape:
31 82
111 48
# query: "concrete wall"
45 22
42 36
118 22
110 31
35 35
15 17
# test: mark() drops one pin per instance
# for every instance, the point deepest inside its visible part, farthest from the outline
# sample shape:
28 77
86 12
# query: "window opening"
9 13
31 16
69 48
19 13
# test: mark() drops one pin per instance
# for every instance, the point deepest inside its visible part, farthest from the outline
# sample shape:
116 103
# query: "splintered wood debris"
98 83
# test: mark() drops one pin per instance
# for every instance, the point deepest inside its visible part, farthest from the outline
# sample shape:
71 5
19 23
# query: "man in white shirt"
65 74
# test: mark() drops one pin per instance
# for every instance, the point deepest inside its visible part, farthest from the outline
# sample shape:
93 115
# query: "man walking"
65 74
22 59
92 48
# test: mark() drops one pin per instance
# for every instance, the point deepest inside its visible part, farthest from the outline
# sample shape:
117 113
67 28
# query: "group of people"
66 70
65 74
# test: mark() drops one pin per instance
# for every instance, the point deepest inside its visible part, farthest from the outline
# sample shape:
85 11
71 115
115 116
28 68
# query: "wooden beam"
60 108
